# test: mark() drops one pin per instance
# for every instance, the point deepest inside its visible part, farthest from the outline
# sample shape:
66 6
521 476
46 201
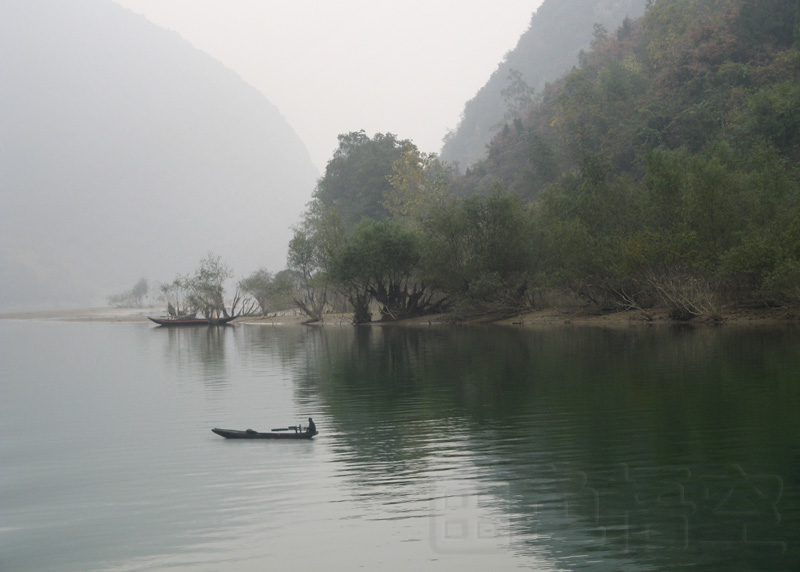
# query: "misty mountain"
558 31
127 153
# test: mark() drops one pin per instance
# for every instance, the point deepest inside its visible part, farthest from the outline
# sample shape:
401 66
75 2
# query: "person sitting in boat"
312 428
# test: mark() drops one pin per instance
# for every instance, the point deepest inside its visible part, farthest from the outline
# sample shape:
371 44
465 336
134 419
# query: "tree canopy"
663 170
355 183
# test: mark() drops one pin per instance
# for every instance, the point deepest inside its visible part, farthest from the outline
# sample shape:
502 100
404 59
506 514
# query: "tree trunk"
361 313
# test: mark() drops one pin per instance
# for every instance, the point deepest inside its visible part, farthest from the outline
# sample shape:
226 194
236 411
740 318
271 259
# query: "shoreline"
577 316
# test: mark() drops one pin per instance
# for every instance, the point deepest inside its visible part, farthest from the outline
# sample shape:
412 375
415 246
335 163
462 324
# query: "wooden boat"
192 321
250 434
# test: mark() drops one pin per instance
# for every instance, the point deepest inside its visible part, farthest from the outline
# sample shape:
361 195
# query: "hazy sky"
334 66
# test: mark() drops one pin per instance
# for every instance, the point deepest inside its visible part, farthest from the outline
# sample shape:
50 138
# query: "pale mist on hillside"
127 153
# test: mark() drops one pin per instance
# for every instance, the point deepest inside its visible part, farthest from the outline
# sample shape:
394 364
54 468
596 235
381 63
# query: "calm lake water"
442 448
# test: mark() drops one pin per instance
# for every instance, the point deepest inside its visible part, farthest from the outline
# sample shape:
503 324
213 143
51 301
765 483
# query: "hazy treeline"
661 171
665 168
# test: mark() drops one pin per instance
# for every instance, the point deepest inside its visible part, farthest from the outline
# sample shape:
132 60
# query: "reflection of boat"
250 434
192 321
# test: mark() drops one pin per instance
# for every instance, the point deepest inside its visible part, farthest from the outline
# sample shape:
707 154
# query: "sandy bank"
539 318
86 315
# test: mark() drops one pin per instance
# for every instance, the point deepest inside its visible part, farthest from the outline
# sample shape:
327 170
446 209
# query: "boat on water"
192 321
274 434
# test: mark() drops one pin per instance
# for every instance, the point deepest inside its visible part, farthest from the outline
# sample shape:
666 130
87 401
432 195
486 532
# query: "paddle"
297 429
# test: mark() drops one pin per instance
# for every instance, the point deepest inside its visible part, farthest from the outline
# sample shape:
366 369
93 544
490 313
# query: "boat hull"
191 321
250 434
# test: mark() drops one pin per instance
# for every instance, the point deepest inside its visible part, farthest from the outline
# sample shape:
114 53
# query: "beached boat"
250 434
192 321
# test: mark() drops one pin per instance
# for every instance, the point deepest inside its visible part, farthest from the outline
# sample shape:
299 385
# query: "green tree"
207 287
380 261
355 183
664 181
767 23
483 251
311 252
709 199
782 284
518 95
283 289
306 259
177 295
585 220
419 185
258 285
133 298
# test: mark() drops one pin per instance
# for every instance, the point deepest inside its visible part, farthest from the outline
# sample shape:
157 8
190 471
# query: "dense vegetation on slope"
666 166
665 170
558 31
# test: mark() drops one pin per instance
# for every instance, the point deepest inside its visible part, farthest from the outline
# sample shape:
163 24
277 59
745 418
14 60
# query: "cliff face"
125 152
558 31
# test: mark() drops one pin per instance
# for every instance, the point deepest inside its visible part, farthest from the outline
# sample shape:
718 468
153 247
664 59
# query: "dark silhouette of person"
312 428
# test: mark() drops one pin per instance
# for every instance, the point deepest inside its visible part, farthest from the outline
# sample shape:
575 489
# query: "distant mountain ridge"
558 31
125 152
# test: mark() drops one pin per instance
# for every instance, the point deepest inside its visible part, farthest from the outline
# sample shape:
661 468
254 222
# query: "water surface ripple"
439 448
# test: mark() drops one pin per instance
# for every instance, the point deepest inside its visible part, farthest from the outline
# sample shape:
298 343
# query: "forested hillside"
666 166
663 171
558 31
